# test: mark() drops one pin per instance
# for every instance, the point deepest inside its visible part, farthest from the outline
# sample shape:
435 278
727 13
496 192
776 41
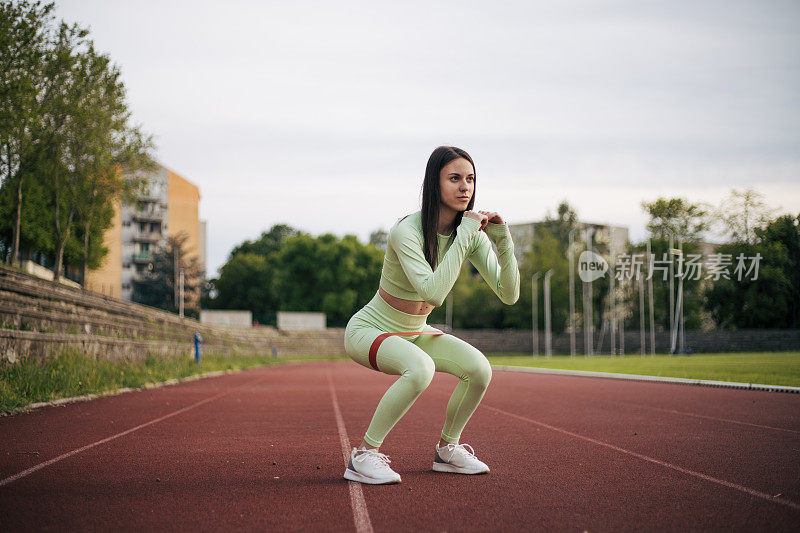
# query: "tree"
63 129
245 282
298 272
741 214
676 216
104 187
379 239
268 242
159 286
770 300
85 126
23 90
785 230
326 274
34 210
566 220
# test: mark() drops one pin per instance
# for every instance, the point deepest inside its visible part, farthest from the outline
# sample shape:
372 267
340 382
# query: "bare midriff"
410 307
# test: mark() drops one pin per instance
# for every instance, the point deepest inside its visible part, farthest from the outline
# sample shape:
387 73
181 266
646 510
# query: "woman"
423 259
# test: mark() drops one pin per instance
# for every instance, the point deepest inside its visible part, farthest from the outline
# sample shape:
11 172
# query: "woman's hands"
480 216
493 216
485 217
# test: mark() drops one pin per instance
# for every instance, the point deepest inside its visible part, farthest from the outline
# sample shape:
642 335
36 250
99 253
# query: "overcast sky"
322 115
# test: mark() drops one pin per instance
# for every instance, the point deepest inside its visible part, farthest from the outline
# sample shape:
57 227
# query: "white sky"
322 115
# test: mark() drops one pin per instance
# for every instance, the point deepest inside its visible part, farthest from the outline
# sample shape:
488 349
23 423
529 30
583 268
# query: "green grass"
73 374
767 368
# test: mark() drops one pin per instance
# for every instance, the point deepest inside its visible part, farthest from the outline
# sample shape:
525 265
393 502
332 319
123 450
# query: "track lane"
542 478
208 468
741 454
214 462
26 438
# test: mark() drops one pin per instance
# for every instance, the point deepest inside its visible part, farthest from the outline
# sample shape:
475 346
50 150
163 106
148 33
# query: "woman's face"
457 183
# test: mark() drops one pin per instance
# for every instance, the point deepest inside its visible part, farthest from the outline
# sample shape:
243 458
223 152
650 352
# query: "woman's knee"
419 373
476 367
481 373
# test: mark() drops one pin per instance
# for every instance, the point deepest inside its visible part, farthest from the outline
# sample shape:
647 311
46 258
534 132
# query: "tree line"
65 135
288 270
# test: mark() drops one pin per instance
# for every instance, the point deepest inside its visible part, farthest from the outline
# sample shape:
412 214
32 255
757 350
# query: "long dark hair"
432 197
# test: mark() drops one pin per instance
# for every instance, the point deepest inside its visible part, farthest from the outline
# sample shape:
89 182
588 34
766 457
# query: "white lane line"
703 416
677 468
685 412
643 377
76 451
357 502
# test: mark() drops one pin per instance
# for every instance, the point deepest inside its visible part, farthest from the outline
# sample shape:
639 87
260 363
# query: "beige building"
169 206
108 278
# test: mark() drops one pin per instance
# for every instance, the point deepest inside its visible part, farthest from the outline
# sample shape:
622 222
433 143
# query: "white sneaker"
456 458
369 466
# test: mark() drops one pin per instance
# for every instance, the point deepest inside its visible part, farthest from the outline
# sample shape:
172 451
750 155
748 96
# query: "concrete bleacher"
38 317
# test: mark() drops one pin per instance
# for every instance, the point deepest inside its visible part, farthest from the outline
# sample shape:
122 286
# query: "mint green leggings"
415 358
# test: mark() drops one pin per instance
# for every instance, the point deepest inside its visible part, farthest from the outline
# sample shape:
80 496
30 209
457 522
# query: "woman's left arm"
500 271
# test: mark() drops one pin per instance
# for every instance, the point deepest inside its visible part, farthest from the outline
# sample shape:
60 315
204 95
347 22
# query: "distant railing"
147 236
150 213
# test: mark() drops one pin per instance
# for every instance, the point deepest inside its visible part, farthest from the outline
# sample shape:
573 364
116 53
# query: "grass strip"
72 374
766 368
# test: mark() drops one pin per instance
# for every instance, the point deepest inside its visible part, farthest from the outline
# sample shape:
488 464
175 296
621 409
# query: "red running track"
566 453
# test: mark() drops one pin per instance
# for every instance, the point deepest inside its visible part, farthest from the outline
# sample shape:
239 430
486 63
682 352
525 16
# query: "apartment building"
168 206
608 236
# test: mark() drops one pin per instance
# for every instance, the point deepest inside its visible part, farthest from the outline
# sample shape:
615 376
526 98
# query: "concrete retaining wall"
39 318
746 340
223 317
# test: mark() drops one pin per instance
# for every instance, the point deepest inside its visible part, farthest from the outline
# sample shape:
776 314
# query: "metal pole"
587 311
611 291
622 330
176 289
674 338
571 256
673 311
642 341
535 303
181 313
682 336
548 338
671 289
650 297
584 296
683 301
678 318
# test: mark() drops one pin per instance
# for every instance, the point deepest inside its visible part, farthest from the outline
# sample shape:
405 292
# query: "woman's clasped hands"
485 217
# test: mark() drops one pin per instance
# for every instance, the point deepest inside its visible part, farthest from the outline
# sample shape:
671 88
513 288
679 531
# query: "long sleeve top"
406 273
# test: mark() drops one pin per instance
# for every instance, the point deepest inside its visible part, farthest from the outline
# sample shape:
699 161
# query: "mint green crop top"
406 274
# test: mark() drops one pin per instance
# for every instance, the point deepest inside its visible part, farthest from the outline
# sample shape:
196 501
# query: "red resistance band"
373 350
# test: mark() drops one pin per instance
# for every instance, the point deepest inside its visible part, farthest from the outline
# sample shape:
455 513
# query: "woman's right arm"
432 286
